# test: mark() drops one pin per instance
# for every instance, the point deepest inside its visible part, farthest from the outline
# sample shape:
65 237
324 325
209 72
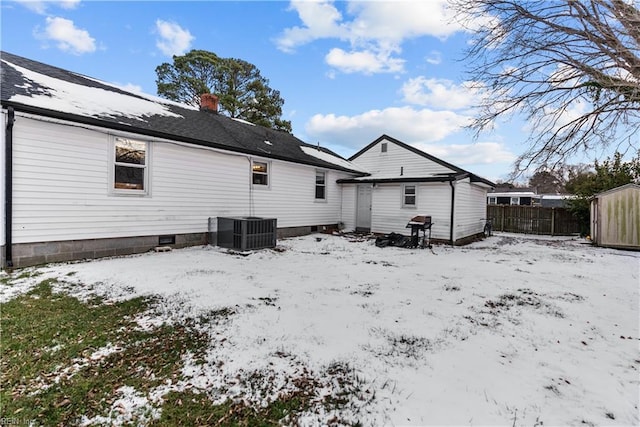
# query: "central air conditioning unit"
247 233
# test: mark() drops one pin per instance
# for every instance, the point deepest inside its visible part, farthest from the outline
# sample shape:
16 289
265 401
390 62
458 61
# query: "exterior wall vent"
167 240
247 233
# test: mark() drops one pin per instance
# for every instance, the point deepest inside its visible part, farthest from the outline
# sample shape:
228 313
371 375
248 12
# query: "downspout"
251 208
8 186
453 200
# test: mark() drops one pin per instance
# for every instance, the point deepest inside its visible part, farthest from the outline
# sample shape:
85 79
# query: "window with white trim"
260 172
130 166
409 195
321 185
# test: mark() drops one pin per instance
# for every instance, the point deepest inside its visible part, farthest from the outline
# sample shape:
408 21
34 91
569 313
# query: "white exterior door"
363 208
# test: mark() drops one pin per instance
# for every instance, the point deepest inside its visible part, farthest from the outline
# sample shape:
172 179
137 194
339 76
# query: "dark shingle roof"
177 122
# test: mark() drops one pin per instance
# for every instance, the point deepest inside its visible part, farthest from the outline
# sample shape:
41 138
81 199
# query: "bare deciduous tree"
572 67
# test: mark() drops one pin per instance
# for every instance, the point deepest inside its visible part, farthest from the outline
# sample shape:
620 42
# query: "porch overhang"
400 179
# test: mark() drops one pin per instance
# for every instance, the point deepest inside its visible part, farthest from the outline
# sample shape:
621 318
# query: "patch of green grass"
22 274
190 409
51 373
47 340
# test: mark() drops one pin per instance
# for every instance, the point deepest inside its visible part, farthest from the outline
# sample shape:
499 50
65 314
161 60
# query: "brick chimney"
209 102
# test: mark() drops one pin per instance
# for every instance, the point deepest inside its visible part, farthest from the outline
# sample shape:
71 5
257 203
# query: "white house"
93 170
404 182
526 197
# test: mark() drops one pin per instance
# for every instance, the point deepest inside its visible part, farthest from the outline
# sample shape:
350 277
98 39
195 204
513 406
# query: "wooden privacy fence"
533 220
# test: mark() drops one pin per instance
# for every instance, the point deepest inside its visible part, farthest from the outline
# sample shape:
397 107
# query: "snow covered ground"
513 330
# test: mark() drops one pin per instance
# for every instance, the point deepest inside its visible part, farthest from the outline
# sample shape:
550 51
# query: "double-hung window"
409 196
260 172
130 166
321 185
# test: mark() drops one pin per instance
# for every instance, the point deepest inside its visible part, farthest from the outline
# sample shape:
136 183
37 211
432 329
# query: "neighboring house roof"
503 190
34 87
557 196
457 172
511 194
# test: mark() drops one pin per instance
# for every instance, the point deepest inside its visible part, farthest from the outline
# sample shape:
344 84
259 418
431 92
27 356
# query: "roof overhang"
401 179
123 127
434 178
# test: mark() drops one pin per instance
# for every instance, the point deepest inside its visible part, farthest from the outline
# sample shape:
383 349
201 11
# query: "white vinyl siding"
61 188
470 209
291 198
389 164
433 199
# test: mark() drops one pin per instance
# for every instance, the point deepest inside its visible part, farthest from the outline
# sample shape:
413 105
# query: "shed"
615 218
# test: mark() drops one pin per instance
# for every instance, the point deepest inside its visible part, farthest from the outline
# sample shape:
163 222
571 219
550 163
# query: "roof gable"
426 165
408 147
41 89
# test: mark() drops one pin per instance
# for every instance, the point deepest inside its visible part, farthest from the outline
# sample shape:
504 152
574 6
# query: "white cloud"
69 4
405 123
366 62
375 30
480 153
68 37
434 58
440 93
397 21
173 39
319 19
556 119
40 7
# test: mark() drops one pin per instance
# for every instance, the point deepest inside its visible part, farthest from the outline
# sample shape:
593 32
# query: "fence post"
553 220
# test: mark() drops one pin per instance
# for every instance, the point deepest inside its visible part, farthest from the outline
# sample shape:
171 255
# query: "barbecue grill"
417 224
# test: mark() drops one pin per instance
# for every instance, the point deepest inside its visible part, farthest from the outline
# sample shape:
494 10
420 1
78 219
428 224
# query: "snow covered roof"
41 89
331 157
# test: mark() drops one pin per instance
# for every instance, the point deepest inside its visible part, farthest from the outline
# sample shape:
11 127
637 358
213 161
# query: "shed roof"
621 188
33 87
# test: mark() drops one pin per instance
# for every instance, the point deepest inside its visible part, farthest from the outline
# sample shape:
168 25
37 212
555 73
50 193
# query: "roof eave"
399 179
92 121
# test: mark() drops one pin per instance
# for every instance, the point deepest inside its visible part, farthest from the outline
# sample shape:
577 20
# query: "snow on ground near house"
515 329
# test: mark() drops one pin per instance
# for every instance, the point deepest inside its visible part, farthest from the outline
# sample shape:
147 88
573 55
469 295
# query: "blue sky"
348 71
